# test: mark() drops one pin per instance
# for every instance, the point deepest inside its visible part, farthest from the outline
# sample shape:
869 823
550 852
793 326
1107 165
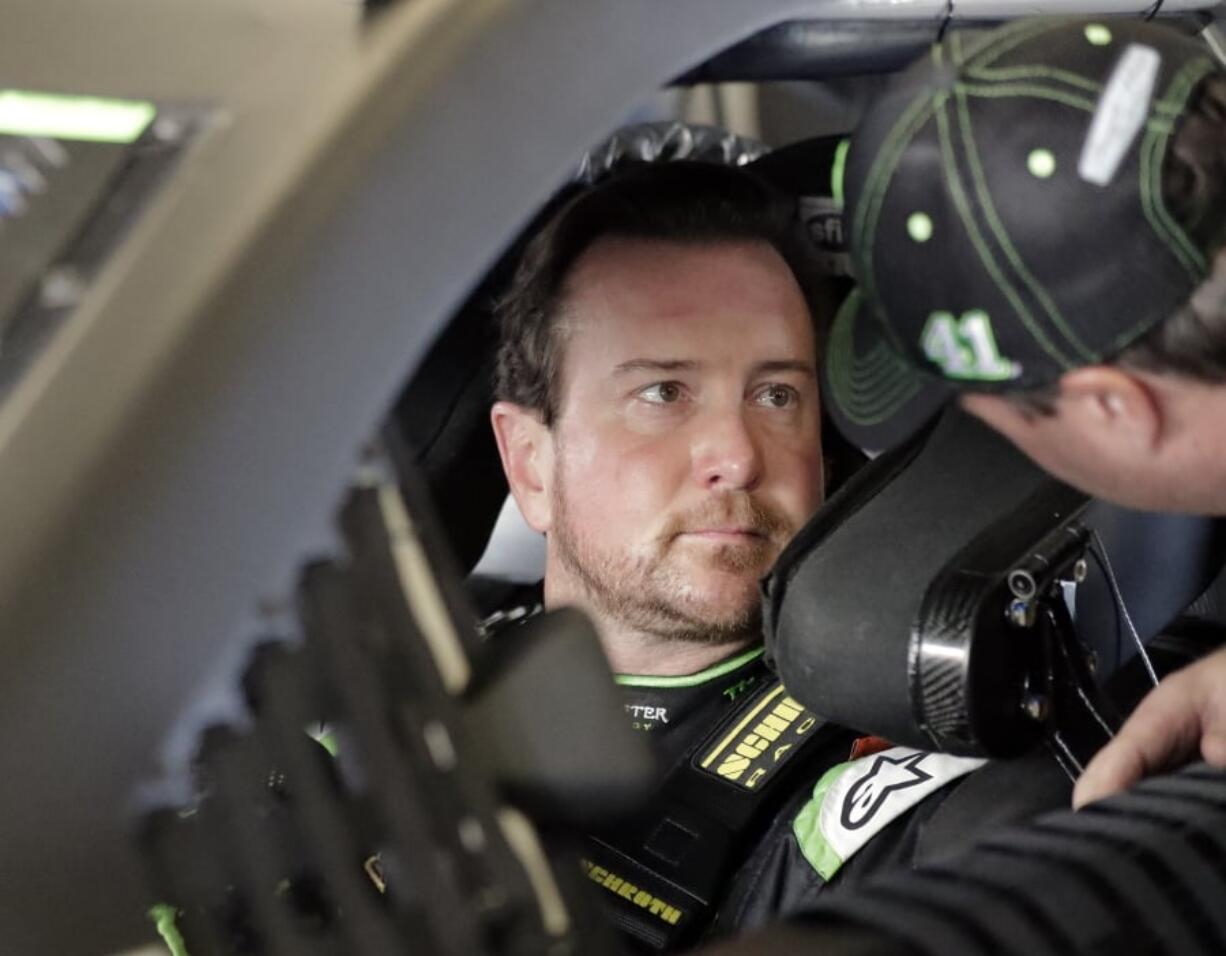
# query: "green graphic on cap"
1041 163
837 169
870 387
965 347
73 117
1098 34
919 226
1153 150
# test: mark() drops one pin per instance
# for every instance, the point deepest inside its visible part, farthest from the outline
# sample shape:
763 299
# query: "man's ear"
1100 401
1110 399
525 445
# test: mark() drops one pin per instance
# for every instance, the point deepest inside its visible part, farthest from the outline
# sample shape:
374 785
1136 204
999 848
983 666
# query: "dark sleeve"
1000 794
777 881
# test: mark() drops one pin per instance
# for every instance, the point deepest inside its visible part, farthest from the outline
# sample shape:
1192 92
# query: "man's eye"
662 393
777 396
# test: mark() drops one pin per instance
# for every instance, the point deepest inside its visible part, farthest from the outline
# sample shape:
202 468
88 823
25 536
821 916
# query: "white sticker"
876 790
1120 114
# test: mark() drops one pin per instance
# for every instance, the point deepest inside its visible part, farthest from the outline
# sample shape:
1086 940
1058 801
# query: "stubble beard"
651 591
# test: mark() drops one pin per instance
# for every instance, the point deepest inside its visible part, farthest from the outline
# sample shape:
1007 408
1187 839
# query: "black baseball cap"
1005 217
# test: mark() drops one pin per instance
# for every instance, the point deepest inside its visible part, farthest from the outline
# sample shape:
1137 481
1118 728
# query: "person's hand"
1181 719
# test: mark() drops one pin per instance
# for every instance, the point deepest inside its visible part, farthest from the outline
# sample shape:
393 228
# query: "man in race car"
1038 222
659 421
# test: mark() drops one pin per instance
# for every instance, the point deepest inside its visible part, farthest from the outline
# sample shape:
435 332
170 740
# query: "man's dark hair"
1192 341
689 202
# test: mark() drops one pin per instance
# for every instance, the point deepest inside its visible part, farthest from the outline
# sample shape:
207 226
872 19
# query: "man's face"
686 450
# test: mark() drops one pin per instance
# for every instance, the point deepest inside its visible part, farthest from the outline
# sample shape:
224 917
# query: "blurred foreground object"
419 833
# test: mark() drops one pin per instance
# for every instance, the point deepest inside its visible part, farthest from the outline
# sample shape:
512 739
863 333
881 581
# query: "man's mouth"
735 523
725 534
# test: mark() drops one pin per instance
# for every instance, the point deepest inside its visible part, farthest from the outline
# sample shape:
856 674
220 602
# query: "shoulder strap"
664 872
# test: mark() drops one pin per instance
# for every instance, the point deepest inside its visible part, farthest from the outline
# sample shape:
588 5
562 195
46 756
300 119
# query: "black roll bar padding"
888 613
845 597
814 49
818 49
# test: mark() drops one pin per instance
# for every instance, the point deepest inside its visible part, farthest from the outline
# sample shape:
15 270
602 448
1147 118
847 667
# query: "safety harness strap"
663 873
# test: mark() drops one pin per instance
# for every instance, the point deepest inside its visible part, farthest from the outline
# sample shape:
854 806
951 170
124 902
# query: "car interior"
246 354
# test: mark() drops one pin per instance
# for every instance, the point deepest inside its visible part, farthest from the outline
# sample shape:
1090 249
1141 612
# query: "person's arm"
1180 720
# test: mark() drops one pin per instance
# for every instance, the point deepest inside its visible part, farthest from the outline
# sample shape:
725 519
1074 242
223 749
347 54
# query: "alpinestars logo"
889 775
856 800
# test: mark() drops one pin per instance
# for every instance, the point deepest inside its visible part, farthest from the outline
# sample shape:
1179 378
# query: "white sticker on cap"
1120 114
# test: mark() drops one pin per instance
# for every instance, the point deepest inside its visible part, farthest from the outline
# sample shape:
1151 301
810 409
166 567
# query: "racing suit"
848 806
851 807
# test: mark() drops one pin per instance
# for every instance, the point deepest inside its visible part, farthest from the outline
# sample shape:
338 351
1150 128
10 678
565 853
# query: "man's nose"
725 453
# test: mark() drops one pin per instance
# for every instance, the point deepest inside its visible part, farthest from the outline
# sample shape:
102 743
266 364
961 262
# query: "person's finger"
1163 731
